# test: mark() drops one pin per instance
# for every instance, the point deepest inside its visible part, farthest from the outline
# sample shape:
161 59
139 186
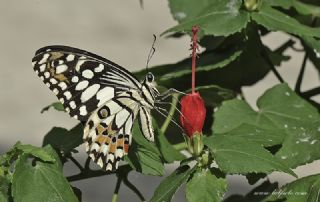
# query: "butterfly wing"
108 132
81 80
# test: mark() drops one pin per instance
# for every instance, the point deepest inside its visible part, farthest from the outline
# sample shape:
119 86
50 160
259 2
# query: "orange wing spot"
55 55
100 129
108 140
112 148
120 142
126 148
101 139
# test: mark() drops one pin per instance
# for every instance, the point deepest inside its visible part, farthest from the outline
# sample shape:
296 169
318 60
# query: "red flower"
193 114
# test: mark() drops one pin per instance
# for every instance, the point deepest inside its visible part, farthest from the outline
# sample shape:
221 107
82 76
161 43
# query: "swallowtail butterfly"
103 95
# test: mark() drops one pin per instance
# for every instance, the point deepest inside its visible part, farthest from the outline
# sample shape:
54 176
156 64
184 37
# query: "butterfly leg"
168 93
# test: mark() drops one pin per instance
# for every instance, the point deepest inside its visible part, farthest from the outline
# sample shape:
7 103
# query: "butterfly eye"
150 77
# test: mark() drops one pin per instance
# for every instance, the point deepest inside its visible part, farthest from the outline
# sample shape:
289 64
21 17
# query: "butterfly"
104 96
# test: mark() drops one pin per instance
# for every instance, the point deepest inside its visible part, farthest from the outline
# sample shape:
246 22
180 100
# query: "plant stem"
194 45
301 73
116 190
166 122
180 146
272 67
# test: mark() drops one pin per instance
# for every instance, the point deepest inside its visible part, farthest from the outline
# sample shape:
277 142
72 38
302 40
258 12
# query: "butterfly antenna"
151 52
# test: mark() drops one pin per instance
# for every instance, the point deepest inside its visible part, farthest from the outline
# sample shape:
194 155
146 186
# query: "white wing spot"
44 58
42 67
89 92
67 109
87 74
72 105
61 68
42 78
104 95
60 62
48 84
99 68
79 63
67 94
55 91
75 79
53 81
75 116
61 100
34 63
70 57
82 85
62 85
46 75
83 110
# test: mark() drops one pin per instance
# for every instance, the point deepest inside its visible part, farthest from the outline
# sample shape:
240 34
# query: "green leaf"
143 155
207 61
40 181
312 43
237 155
56 105
169 186
169 154
204 186
34 151
262 136
281 112
300 7
220 18
4 189
213 95
183 10
275 20
303 189
63 139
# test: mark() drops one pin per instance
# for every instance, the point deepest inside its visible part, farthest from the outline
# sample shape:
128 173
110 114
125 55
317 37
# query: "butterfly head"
149 81
149 78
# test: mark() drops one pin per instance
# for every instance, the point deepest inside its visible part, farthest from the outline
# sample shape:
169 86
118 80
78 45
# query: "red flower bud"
193 114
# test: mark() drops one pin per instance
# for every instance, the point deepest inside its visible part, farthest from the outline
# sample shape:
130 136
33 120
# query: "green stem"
166 123
116 190
180 146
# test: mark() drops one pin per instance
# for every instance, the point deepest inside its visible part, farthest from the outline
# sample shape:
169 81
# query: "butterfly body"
104 96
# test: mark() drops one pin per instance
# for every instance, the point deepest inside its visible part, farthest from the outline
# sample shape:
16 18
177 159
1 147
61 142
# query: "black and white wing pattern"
99 93
81 80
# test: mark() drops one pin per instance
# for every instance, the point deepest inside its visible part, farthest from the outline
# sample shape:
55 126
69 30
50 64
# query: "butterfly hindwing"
81 80
108 132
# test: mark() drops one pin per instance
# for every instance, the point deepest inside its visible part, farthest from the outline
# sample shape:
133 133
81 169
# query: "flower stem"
180 146
195 29
116 190
166 123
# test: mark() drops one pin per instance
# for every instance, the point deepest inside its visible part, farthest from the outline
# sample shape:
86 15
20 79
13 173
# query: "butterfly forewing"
101 94
81 80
